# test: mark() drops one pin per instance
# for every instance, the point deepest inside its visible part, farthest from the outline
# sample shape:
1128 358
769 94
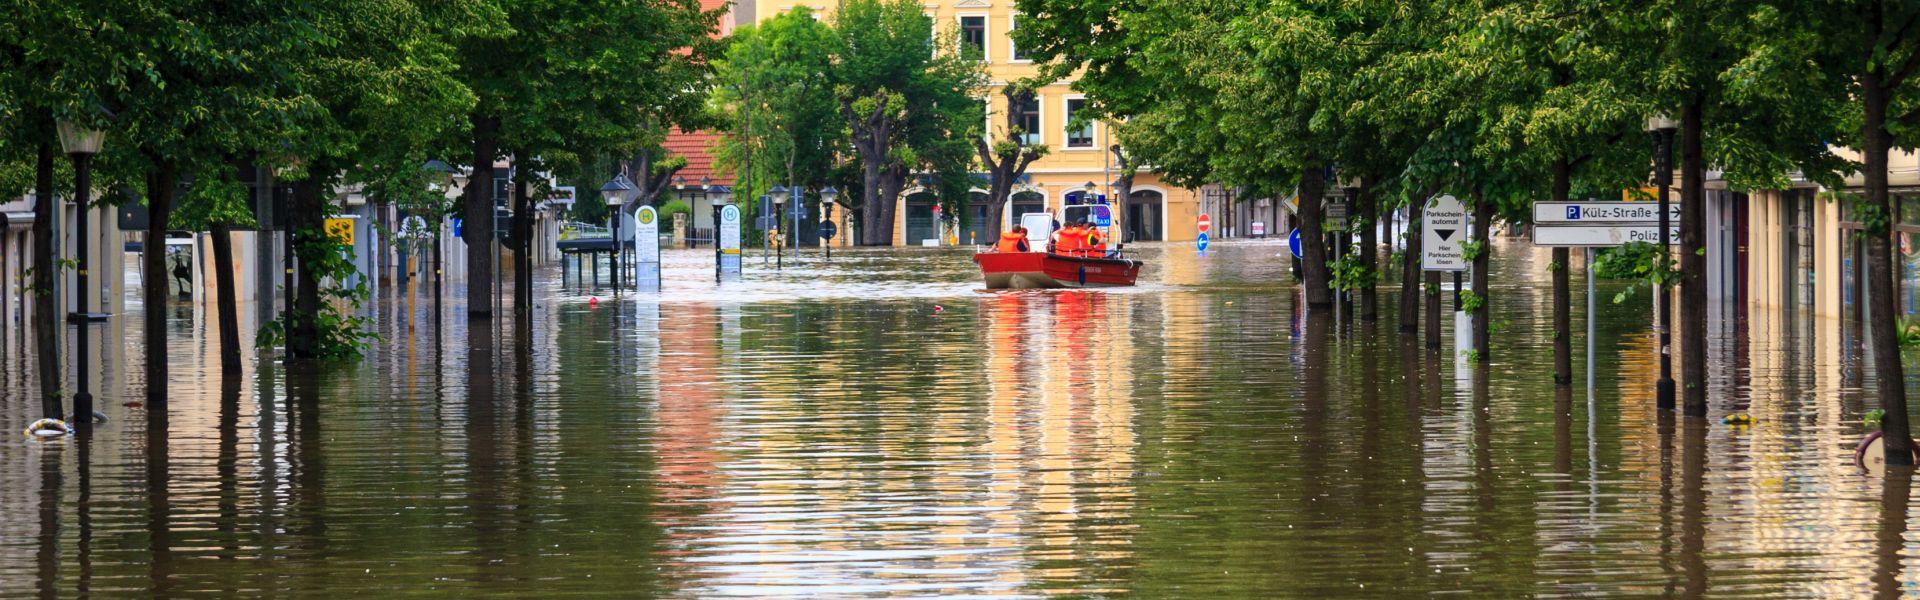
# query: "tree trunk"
155 280
1890 376
306 225
478 228
46 302
1369 252
523 240
229 302
893 181
870 213
1482 326
1313 245
1562 296
1410 271
1693 261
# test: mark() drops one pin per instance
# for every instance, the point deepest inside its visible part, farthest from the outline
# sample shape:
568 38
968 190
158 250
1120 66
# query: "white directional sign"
1442 229
1574 213
1598 236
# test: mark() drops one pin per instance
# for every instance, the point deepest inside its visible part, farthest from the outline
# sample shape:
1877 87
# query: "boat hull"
1040 270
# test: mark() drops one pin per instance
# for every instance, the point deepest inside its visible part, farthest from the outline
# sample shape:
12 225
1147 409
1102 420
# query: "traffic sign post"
646 248
1575 213
1442 229
1597 235
729 246
1205 224
1599 224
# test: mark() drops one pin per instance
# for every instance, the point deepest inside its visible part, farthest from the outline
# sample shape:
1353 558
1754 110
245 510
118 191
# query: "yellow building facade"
1155 211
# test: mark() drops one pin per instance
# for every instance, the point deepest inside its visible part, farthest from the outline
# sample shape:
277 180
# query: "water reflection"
877 426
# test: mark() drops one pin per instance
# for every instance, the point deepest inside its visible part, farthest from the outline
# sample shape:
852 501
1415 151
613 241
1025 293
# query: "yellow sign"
341 230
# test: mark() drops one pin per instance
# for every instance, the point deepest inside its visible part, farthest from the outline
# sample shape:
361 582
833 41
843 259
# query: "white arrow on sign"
1602 212
1598 236
1442 228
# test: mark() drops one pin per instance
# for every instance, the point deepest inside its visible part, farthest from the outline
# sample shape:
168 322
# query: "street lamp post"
1663 129
779 194
827 196
616 193
81 144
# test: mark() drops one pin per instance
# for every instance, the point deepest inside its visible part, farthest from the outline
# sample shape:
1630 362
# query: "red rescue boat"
1042 270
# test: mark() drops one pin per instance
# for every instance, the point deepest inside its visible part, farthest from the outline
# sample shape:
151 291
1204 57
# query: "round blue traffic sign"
1202 241
1293 243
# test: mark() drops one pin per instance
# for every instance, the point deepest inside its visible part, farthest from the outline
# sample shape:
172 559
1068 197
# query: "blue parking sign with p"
1573 212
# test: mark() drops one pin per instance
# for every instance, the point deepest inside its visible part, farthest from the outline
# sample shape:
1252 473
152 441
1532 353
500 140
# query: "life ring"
48 428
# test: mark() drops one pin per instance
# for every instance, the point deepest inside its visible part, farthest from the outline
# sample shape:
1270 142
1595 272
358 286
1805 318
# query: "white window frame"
1066 120
986 33
1013 48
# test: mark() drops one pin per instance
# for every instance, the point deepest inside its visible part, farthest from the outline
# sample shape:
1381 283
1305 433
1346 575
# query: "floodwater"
878 426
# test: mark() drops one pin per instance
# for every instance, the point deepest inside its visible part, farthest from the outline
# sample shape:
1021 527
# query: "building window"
1082 136
973 37
1014 52
1026 115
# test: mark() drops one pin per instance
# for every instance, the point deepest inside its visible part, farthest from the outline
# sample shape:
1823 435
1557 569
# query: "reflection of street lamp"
81 144
616 193
1662 129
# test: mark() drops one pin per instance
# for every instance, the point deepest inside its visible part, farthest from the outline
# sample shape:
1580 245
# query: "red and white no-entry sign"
1206 223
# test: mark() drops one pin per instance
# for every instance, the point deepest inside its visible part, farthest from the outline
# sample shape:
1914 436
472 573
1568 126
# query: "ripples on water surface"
880 426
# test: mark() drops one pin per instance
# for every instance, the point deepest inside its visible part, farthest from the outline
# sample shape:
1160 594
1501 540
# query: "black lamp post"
81 143
1662 129
779 195
616 193
827 196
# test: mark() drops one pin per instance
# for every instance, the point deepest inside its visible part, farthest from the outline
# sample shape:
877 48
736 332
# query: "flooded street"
879 425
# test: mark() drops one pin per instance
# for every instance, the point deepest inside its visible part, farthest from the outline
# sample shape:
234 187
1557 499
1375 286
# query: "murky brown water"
878 426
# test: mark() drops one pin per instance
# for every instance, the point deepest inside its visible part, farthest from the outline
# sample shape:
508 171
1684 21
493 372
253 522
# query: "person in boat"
1013 241
1095 247
1068 240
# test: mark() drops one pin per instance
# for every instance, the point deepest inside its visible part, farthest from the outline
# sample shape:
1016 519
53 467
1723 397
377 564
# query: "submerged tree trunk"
870 213
155 281
1890 375
523 240
892 182
46 303
306 225
478 228
1562 296
1482 326
1693 261
1369 252
1313 245
1410 271
229 301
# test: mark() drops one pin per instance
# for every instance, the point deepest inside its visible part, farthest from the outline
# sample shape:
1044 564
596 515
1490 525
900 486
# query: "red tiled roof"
697 147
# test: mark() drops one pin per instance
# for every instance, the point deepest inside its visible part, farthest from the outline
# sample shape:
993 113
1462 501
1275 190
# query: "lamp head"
77 139
1661 123
617 191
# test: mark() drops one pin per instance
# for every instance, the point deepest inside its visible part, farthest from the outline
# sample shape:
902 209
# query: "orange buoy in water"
593 301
